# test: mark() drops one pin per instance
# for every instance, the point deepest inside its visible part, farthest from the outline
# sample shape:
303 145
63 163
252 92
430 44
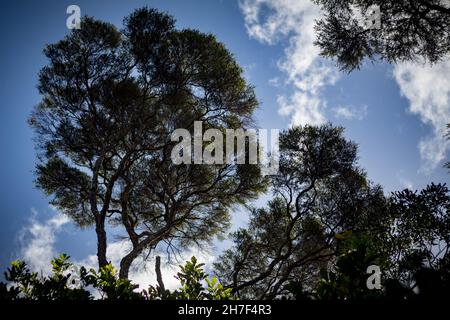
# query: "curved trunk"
126 262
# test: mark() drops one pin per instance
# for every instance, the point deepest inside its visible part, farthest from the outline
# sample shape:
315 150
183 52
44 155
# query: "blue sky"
394 113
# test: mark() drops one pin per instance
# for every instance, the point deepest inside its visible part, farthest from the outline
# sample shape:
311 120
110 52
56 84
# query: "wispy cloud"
350 112
38 239
428 90
270 21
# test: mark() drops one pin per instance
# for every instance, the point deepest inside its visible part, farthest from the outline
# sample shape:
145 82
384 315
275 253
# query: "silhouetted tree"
408 30
346 278
320 194
420 240
413 254
110 101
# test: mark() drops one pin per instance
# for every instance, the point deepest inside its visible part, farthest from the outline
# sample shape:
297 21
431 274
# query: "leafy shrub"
67 282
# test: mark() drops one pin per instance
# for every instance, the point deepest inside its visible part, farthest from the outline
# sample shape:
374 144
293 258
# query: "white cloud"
351 112
270 21
274 82
304 108
143 271
38 240
428 90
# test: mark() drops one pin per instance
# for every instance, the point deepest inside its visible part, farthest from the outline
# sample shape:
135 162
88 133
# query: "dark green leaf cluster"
408 31
69 284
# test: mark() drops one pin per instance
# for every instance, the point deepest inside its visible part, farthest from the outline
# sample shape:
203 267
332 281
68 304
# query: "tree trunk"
101 242
126 262
159 279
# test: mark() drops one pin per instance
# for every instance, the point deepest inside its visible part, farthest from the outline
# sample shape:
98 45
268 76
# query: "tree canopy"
110 101
408 30
320 192
325 226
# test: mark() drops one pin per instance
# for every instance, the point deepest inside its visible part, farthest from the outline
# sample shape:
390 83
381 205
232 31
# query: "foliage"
326 214
319 192
111 286
30 286
409 30
110 101
420 243
347 279
408 241
65 283
413 254
192 279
